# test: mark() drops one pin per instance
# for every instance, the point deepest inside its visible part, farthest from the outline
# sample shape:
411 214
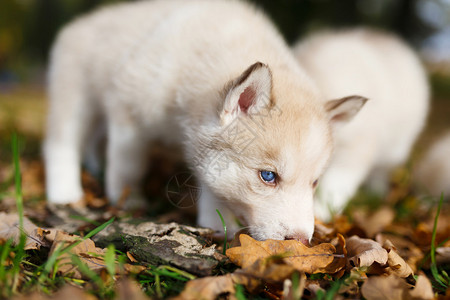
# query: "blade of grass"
89 235
50 264
20 253
240 292
178 271
110 260
434 269
86 271
18 183
6 248
158 286
224 231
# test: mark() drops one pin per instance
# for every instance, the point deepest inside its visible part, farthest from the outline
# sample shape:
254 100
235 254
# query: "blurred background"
28 27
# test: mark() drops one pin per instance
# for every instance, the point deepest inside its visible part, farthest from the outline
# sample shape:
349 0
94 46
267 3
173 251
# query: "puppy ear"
342 110
248 94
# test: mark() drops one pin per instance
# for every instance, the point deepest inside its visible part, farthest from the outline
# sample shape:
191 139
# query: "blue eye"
268 176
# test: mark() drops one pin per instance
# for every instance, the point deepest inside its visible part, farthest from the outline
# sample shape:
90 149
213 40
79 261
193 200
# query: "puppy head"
265 155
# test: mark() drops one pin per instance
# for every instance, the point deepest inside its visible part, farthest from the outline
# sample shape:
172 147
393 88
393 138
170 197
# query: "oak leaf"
294 253
271 269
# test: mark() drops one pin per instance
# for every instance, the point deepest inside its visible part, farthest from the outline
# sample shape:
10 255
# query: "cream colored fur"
433 171
380 67
183 72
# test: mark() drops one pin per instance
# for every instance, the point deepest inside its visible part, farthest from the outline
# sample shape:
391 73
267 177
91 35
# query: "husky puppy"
214 77
433 171
387 72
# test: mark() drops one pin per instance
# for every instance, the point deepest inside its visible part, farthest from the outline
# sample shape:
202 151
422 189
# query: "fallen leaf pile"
375 255
274 262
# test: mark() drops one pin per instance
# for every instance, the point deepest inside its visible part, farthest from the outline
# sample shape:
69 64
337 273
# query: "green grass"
441 278
331 293
224 232
19 275
163 281
20 253
156 281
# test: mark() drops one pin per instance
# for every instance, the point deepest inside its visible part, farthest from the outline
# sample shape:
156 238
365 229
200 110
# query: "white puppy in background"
387 72
433 171
213 77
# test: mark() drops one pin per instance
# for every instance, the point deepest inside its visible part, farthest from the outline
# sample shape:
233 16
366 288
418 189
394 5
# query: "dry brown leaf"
424 230
128 289
423 289
68 292
376 222
207 288
396 288
36 237
404 247
364 252
271 270
397 265
32 296
85 250
339 262
322 233
294 253
385 288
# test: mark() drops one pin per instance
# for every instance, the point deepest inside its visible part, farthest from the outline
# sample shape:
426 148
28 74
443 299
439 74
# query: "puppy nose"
298 237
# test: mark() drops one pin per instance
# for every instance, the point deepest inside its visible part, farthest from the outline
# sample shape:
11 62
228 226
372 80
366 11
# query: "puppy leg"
126 164
69 119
